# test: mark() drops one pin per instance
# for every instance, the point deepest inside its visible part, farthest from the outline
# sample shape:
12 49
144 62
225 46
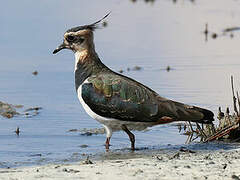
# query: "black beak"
59 48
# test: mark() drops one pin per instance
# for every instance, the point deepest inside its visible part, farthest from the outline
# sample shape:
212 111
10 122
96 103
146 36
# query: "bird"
116 101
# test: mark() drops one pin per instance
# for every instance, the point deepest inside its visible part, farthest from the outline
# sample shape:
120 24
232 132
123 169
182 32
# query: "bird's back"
116 96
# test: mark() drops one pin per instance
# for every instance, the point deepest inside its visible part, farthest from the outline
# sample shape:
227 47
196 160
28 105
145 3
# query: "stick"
201 131
234 98
190 126
222 133
189 139
238 100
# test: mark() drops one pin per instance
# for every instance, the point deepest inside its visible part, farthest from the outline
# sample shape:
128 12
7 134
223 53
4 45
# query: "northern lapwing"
116 101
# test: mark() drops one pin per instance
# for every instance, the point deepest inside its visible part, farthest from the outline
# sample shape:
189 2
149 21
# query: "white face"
79 38
78 41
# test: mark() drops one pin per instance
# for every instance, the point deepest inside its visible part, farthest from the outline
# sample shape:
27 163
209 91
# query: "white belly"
101 119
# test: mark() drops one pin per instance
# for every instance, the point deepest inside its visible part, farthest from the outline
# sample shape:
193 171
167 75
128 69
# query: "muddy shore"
183 163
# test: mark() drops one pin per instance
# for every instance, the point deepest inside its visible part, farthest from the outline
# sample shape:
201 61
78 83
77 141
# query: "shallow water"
150 35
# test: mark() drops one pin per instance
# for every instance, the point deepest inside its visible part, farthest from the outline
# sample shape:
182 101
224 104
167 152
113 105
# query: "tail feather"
207 116
193 113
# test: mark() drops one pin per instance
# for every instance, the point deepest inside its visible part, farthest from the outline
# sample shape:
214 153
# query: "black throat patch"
82 72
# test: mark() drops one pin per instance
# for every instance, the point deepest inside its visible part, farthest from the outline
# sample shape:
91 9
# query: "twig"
190 126
189 139
201 131
238 99
213 128
193 139
220 114
234 98
222 133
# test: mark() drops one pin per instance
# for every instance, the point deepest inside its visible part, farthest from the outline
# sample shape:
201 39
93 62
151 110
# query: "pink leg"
107 144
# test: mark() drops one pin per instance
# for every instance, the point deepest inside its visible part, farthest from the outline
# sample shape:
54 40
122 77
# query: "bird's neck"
87 63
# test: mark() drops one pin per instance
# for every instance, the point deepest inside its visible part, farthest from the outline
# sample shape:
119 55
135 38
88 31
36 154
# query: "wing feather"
116 96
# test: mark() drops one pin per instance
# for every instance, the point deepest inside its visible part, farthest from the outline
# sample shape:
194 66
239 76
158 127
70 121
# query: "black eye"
81 40
70 38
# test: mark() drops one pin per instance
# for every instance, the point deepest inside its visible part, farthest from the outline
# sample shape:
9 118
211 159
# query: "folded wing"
122 98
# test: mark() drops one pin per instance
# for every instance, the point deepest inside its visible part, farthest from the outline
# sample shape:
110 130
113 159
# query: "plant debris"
121 71
35 73
87 161
168 68
89 132
214 35
33 109
228 128
7 110
70 170
35 155
72 130
231 29
17 131
83 146
104 24
225 32
182 149
175 156
137 68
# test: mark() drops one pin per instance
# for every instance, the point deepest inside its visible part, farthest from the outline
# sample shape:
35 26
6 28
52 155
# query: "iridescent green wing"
118 97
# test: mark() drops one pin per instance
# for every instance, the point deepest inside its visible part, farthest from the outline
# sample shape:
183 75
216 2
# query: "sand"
162 164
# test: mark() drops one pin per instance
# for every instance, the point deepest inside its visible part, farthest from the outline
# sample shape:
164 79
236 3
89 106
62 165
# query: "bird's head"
79 38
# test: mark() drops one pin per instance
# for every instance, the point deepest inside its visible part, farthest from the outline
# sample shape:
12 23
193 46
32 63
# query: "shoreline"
183 163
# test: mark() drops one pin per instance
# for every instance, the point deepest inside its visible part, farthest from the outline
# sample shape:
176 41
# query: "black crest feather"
92 26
